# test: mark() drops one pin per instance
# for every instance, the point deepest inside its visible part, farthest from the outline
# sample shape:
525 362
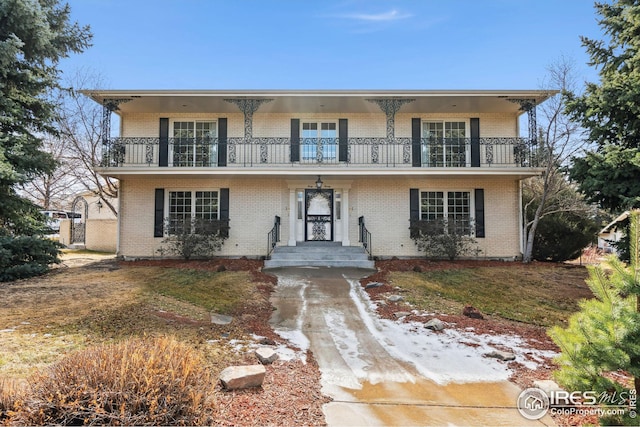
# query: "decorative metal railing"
273 237
364 237
276 151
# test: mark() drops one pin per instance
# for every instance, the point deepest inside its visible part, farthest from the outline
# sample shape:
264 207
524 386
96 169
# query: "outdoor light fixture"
99 204
319 183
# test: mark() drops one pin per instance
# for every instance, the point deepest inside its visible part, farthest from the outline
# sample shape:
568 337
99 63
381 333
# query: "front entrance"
318 215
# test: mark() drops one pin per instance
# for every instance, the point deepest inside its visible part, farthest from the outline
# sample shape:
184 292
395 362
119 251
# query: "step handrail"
273 237
364 237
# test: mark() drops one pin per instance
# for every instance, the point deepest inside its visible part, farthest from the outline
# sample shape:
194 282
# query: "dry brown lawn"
92 299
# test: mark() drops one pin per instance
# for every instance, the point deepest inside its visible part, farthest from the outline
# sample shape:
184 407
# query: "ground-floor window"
450 207
187 207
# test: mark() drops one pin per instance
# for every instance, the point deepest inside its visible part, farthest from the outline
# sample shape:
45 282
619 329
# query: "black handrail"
273 237
485 152
364 237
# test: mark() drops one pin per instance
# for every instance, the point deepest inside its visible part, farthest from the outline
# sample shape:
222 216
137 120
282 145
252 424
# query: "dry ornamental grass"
157 381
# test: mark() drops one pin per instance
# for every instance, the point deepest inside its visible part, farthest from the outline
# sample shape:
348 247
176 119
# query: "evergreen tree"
604 336
34 36
610 110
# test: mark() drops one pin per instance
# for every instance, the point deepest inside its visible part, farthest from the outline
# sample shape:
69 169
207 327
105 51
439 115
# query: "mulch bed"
253 266
291 393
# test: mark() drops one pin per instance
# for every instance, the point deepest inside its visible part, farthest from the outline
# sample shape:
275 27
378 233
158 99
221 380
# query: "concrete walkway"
319 309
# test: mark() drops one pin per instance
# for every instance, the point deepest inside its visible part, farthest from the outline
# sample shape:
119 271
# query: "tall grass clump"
10 394
140 381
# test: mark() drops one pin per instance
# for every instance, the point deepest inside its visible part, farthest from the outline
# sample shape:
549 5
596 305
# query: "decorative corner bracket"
248 106
109 105
529 105
390 106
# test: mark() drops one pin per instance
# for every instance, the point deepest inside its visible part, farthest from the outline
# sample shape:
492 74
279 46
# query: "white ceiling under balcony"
322 101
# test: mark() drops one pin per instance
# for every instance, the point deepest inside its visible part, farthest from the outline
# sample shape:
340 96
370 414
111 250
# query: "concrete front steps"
319 254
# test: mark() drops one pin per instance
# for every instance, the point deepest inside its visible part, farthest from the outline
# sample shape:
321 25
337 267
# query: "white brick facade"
374 180
383 201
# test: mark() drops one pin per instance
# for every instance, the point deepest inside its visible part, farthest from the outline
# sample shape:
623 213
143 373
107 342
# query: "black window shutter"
416 146
295 140
414 209
479 199
475 142
343 140
222 142
163 155
158 217
224 209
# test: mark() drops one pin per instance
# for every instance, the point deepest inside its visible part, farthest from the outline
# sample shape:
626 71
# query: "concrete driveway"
375 379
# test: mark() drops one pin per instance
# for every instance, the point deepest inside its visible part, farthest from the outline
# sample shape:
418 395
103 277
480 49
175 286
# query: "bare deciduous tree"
560 139
80 127
51 190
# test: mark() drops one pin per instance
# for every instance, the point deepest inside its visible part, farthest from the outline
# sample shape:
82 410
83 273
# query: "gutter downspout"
521 218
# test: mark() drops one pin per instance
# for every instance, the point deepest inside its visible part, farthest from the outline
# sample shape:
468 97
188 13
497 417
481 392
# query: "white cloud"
392 15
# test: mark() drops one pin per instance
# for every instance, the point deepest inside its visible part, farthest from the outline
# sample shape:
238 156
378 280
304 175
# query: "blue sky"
332 44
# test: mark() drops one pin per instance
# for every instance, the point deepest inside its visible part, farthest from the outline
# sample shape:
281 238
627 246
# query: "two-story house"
348 166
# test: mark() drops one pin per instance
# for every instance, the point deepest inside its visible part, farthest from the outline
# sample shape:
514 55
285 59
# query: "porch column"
345 217
292 217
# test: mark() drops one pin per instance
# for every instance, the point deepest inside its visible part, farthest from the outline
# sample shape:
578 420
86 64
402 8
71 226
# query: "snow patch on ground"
346 342
445 356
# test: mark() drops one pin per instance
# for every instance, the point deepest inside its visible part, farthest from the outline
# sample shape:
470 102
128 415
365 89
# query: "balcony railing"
319 152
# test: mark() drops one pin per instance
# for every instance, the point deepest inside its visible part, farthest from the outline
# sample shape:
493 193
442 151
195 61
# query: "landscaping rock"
399 314
373 285
547 386
435 324
266 355
501 355
395 298
220 319
239 377
266 341
472 312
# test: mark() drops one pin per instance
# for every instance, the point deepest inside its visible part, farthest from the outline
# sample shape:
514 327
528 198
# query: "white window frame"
328 152
426 158
193 191
213 152
445 197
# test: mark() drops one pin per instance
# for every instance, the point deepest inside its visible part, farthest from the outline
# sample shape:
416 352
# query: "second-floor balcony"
373 152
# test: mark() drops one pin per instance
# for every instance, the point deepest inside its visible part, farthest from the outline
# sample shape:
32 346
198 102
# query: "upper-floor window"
444 144
195 143
319 141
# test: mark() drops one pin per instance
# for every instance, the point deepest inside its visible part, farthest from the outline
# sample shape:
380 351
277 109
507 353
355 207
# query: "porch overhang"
123 173
318 101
